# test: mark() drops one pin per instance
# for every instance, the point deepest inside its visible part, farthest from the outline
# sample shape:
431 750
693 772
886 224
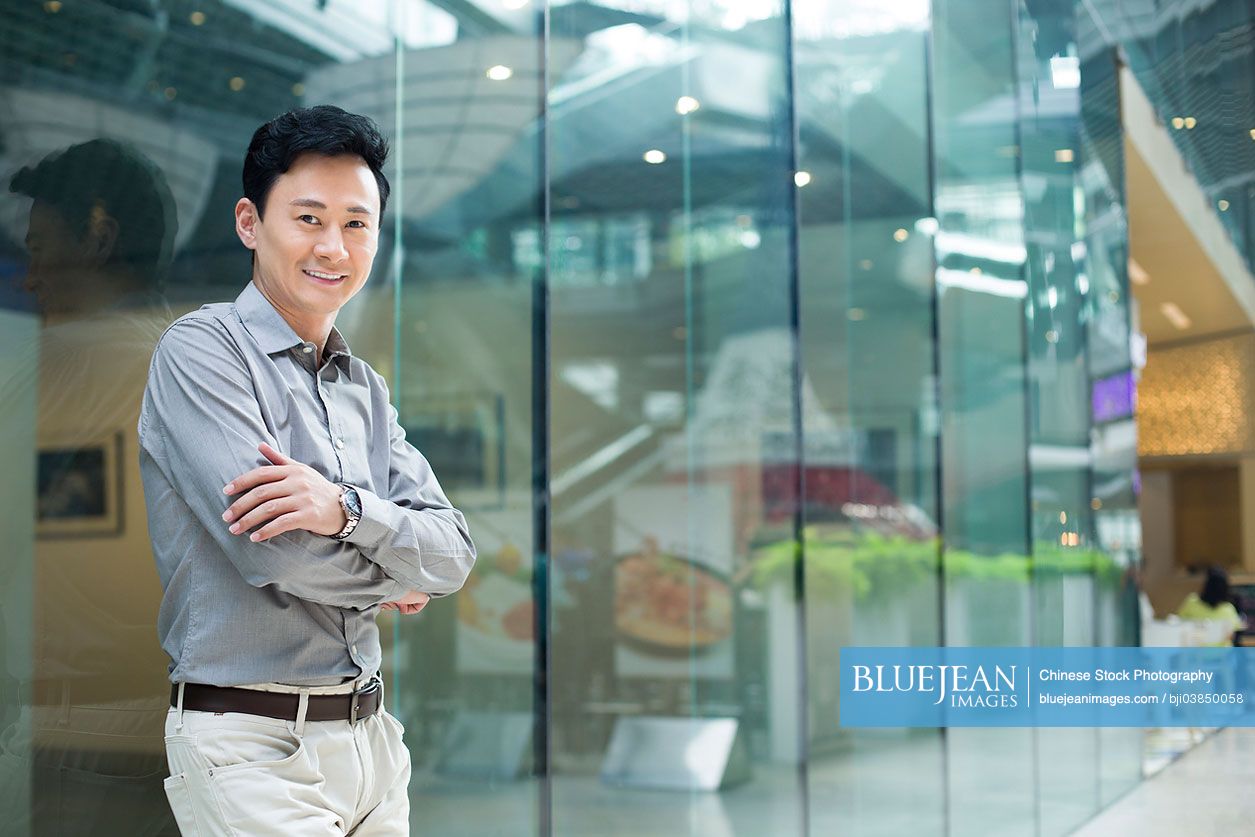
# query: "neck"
310 328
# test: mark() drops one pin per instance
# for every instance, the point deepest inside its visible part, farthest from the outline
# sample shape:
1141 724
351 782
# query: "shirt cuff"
375 523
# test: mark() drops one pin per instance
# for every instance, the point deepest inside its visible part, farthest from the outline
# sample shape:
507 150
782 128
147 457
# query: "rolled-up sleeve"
414 533
201 424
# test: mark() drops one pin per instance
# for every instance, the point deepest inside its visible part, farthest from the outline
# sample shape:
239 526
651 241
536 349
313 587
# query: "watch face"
351 501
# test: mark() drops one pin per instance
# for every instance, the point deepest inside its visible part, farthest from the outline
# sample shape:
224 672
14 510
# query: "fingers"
273 455
269 510
257 476
260 494
282 523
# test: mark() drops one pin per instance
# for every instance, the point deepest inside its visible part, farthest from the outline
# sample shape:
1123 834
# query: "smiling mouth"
326 278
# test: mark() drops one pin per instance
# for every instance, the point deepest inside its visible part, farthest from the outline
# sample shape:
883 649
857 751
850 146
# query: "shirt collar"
272 332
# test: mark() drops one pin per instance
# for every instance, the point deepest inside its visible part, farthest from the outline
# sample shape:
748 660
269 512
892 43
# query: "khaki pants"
238 774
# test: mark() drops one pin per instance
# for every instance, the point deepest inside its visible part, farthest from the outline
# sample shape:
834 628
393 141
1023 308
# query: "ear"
247 219
102 236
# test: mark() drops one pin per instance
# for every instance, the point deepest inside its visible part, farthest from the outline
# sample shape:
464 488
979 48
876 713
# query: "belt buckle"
374 685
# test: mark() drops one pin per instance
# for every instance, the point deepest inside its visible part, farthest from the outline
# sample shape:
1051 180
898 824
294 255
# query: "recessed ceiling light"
1223 204
499 72
1175 315
655 156
1190 122
237 83
900 234
801 178
1063 155
1178 122
686 105
197 18
1138 274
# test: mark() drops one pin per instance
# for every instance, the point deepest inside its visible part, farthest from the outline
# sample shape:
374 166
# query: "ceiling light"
686 105
927 226
237 83
1063 155
1175 315
1138 274
801 178
654 156
1223 204
1065 72
197 18
500 72
1178 122
1253 133
1190 122
900 234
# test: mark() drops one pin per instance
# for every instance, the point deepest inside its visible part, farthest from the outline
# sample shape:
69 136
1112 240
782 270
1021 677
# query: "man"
286 509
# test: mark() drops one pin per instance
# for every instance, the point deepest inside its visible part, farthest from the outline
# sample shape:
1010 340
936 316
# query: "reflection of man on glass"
100 238
101 230
286 509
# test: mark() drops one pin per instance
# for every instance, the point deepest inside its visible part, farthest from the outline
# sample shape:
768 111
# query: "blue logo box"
1047 687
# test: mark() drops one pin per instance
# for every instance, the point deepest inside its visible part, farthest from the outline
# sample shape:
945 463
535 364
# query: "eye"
357 224
308 219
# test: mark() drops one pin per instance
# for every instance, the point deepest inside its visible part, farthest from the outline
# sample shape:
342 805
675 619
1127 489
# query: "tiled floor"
1208 791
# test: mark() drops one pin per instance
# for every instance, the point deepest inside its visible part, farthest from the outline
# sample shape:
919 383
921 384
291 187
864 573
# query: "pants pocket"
181 804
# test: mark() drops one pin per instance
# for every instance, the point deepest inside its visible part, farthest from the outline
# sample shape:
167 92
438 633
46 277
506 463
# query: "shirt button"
307 348
340 444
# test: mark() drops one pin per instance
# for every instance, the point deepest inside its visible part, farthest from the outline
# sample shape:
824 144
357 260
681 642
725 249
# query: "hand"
288 494
409 604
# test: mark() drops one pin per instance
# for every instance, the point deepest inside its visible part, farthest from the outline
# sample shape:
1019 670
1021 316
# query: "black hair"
1216 587
322 129
122 182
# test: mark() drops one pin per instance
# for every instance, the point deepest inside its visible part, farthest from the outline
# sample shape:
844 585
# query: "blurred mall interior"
742 332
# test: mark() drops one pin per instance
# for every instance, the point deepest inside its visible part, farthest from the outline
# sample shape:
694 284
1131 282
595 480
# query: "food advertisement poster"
495 613
673 550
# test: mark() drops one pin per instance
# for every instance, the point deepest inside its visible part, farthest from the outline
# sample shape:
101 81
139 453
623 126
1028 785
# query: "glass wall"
742 333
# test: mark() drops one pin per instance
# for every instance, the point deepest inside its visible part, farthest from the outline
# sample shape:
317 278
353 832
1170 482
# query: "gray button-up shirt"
298 608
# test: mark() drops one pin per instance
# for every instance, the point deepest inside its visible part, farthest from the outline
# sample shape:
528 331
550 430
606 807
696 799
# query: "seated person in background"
1213 604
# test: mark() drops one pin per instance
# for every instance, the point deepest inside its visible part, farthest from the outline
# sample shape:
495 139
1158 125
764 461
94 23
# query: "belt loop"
301 710
178 724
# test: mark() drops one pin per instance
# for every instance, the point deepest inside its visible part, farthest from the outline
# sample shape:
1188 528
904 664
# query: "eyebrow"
313 204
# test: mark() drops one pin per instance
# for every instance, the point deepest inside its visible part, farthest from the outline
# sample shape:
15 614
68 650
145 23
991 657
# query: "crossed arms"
203 424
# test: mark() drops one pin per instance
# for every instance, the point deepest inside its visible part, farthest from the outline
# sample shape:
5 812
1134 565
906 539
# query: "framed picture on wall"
79 488
462 435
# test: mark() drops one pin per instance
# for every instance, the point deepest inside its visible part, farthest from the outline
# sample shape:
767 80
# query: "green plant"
871 565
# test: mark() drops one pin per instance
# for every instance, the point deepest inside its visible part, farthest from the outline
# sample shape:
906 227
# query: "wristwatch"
352 505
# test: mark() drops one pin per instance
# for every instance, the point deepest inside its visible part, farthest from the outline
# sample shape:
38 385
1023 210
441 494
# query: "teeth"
329 276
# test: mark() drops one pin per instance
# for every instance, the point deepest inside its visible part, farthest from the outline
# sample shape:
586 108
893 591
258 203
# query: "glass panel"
123 235
870 413
673 420
457 293
1112 373
981 290
1061 520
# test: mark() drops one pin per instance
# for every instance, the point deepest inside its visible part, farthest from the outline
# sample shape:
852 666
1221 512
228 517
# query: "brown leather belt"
351 707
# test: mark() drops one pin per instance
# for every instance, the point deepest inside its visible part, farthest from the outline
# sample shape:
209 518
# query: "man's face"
57 261
317 242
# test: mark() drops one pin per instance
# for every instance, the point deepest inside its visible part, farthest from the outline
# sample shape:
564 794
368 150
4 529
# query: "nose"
330 246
